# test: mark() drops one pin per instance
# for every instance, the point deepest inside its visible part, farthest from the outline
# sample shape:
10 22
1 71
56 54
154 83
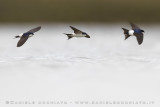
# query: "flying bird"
77 33
24 36
136 31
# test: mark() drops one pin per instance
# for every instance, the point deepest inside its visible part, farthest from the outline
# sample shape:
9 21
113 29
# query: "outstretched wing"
22 41
75 30
134 26
35 29
139 38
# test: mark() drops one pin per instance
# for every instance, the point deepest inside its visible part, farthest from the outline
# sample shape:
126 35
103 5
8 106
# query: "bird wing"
139 38
134 26
22 41
75 30
35 29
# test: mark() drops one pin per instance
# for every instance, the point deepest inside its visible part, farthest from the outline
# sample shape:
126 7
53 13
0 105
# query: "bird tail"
69 36
126 32
16 37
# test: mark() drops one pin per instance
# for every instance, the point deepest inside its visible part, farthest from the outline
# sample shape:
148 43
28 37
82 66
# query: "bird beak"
87 36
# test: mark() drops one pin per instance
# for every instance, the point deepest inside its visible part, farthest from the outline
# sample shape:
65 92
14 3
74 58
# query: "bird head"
142 30
85 34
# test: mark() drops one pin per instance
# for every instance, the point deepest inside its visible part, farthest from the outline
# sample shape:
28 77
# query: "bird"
24 36
77 33
136 31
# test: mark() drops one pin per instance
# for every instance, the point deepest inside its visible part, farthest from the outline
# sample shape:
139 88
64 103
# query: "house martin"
24 36
77 33
136 31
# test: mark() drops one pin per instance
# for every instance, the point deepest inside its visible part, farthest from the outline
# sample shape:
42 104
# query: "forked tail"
16 37
69 36
126 32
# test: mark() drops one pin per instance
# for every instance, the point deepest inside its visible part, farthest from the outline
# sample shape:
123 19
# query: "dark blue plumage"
28 33
84 33
138 31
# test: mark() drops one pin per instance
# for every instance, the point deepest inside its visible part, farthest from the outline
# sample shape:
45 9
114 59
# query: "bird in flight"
24 36
77 33
136 31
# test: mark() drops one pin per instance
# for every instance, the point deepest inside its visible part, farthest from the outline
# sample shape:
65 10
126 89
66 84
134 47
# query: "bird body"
77 33
29 34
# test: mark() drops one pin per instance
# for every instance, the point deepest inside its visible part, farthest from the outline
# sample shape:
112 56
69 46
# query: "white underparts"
20 35
131 32
78 35
30 35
